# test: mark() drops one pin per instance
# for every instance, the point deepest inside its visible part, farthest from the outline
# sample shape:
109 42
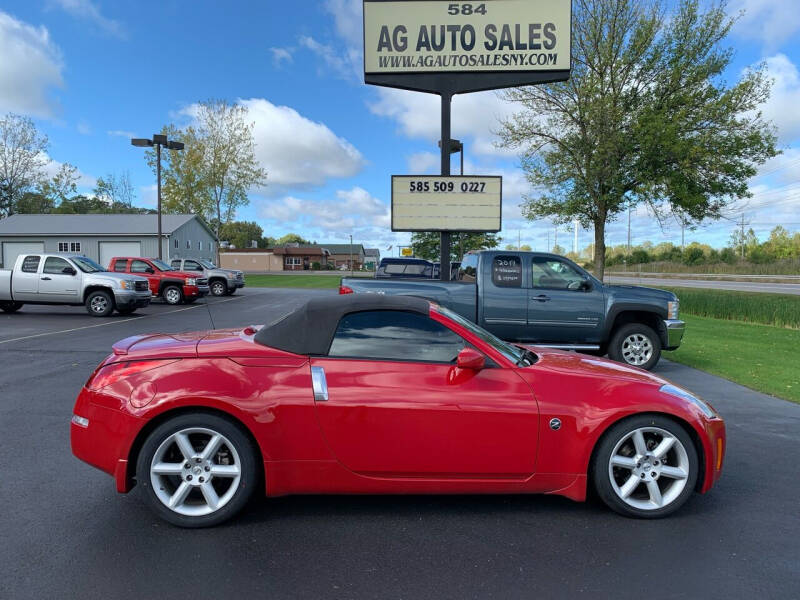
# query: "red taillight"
106 375
343 289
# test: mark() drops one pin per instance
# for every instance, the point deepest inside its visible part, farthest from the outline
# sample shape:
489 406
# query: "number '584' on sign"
466 9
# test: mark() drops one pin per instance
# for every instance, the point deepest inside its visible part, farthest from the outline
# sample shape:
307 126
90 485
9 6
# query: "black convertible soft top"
310 328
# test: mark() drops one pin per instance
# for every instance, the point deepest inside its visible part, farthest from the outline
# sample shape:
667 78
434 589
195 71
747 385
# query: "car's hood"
572 363
642 292
183 274
115 276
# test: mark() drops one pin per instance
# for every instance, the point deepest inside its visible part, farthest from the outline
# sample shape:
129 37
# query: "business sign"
520 41
407 252
438 203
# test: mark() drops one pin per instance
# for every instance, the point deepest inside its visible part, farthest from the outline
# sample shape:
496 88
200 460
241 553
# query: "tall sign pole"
158 177
444 246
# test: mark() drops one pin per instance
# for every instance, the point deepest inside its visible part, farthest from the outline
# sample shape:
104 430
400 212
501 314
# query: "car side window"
394 335
468 271
507 271
55 265
139 266
175 264
31 264
120 266
191 265
554 274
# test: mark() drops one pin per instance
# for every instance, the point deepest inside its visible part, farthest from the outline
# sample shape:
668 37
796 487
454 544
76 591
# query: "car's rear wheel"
172 294
645 467
10 307
197 470
99 304
218 288
635 344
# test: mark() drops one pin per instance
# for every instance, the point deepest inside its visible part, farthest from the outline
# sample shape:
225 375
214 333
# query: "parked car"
175 287
221 282
546 299
44 278
385 395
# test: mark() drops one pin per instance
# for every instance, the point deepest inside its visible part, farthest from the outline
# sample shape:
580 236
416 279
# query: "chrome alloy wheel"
172 295
218 288
648 468
195 471
637 349
99 304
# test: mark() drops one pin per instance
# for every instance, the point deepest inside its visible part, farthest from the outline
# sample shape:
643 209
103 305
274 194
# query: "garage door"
109 250
11 250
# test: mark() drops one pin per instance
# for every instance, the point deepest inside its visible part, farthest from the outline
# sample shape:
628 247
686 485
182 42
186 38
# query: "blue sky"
92 73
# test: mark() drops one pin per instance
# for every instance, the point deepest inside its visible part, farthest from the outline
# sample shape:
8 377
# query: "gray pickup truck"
221 282
547 300
44 278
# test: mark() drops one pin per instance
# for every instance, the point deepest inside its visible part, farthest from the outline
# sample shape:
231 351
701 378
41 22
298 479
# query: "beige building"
251 260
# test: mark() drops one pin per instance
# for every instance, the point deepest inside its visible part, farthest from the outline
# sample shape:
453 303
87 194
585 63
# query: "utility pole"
742 234
629 229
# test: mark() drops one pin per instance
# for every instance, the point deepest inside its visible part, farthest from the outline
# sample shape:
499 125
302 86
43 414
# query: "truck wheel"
635 344
218 288
172 294
99 304
10 307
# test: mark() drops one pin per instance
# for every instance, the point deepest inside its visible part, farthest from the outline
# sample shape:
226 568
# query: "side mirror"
69 271
469 358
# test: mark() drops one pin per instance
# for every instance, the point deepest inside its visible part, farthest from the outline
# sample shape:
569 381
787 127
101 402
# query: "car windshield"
162 266
87 265
519 356
207 264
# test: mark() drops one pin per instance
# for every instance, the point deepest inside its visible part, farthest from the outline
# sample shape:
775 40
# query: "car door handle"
46 279
319 383
541 298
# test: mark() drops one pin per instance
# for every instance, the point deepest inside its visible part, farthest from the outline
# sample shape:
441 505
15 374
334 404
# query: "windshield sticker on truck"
507 271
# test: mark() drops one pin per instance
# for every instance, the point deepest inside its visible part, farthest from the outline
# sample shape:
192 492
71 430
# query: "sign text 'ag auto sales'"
434 36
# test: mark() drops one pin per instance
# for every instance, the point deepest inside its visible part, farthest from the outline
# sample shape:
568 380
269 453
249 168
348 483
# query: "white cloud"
297 151
344 58
30 67
771 22
782 107
83 128
475 117
89 11
281 55
353 210
424 163
121 133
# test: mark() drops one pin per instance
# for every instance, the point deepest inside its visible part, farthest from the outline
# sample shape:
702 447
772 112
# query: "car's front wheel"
10 307
197 470
635 344
645 467
99 304
218 288
172 294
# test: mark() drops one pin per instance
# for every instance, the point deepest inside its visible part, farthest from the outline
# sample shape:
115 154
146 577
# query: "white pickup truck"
45 278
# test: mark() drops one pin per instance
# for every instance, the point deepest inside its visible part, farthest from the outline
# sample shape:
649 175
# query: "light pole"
158 141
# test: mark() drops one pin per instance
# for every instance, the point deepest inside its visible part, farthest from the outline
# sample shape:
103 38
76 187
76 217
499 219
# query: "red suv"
173 286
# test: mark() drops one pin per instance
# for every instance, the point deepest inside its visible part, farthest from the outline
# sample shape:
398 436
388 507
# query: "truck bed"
461 297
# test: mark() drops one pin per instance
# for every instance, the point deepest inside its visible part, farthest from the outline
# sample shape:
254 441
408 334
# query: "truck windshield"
87 265
207 264
162 266
519 356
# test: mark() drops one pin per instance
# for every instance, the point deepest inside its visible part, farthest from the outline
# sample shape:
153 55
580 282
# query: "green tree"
63 185
35 203
22 160
646 117
744 244
116 191
426 245
779 244
292 238
241 233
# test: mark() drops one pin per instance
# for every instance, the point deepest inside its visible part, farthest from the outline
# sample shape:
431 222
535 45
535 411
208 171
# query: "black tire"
172 294
685 460
218 287
242 447
99 304
630 344
10 307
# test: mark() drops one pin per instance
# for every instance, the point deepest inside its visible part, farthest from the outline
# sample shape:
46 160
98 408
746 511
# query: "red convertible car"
371 394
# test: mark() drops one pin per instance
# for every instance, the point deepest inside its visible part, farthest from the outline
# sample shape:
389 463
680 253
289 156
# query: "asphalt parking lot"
67 534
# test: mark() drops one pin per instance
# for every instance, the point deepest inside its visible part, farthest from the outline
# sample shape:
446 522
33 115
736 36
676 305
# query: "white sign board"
438 203
437 36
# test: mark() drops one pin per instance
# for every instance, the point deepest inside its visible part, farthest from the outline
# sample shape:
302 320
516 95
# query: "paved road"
742 286
67 534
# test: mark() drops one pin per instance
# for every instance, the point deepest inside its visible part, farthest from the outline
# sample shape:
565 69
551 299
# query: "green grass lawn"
762 357
294 281
782 310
